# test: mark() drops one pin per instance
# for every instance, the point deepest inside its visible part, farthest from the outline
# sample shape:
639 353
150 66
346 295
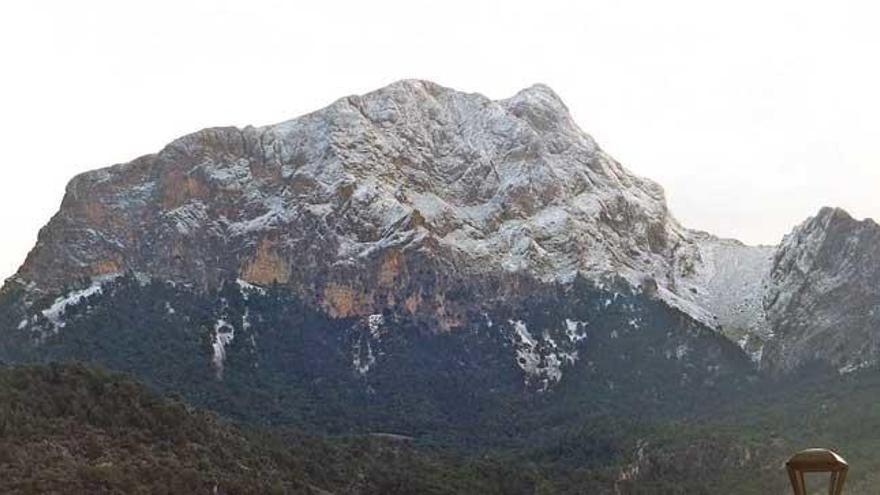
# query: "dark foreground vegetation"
72 429
76 429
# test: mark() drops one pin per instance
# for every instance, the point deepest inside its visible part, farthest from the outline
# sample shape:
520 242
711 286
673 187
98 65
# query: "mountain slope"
728 279
401 201
266 356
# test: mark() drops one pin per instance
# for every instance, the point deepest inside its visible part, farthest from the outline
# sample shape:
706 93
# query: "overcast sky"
752 115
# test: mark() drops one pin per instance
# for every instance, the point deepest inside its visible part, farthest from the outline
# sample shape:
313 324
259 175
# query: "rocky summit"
823 299
403 199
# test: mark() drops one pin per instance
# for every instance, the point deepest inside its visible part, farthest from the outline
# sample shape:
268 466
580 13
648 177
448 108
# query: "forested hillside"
71 429
74 429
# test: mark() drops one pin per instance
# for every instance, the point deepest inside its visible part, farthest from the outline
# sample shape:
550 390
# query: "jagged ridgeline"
433 263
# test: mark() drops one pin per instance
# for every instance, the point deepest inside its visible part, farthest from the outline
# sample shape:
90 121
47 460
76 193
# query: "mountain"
419 201
415 231
473 273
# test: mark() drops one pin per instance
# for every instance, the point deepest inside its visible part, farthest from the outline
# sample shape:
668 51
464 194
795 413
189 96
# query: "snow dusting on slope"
728 280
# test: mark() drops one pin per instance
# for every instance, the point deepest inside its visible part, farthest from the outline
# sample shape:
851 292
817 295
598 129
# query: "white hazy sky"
752 114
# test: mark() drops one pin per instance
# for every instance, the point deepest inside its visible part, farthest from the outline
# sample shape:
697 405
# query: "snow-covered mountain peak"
510 184
402 198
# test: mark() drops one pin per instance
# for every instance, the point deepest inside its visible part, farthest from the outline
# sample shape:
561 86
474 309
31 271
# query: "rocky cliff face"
823 300
384 200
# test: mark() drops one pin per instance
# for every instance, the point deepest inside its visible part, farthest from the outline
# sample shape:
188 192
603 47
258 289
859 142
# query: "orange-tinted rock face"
412 302
342 301
267 266
178 189
390 269
94 212
106 267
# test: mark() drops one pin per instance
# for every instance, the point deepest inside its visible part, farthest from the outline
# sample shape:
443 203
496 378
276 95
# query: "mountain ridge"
398 199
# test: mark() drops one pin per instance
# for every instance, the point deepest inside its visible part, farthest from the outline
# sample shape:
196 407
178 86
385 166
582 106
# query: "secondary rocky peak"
832 213
824 297
831 236
827 219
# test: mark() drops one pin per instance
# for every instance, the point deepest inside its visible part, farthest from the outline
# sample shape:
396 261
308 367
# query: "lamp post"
817 461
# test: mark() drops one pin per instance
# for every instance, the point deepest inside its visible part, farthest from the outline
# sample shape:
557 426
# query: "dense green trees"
77 429
73 429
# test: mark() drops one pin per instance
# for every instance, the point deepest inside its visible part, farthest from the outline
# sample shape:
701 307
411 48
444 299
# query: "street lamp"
817 461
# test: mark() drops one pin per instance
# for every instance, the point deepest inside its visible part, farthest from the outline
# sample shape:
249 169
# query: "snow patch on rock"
541 359
374 324
247 289
224 334
189 217
363 358
853 367
679 352
576 330
55 312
